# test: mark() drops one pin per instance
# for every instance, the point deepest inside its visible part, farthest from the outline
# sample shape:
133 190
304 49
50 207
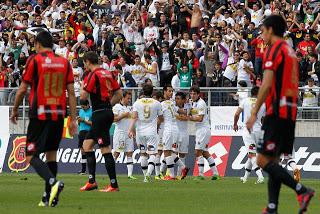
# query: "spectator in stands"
310 98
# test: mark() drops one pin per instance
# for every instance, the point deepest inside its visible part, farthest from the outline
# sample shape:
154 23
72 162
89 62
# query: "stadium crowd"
209 43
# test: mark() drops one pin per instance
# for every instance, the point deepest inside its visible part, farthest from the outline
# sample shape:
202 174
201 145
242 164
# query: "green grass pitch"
20 193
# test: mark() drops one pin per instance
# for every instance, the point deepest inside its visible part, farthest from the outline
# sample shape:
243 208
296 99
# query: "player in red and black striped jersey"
49 76
104 92
279 91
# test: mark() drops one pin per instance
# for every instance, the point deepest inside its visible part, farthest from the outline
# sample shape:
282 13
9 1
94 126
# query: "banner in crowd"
229 153
221 118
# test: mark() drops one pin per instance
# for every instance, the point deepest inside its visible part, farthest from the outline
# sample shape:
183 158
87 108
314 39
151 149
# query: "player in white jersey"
250 139
158 95
182 122
170 135
289 160
121 140
199 115
145 116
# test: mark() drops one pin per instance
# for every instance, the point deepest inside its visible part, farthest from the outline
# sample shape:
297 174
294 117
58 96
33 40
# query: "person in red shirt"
104 92
303 45
279 91
259 46
49 77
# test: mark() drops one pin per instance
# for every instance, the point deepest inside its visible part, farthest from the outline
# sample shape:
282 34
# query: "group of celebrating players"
50 76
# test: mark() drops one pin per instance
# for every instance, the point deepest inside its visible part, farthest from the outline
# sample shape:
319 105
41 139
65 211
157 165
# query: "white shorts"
122 142
183 143
160 142
170 140
148 144
203 136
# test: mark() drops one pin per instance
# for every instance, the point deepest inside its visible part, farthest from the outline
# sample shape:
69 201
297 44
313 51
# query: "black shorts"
278 137
43 136
81 137
101 124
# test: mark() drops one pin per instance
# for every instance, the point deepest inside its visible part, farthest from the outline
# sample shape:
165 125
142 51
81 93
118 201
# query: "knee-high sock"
274 186
53 166
91 162
178 161
130 166
179 170
170 165
111 169
280 174
157 163
83 162
163 166
212 165
248 167
144 164
43 170
151 164
200 161
256 168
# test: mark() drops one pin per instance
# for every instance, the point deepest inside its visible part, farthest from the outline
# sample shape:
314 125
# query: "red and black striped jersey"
282 100
48 75
100 84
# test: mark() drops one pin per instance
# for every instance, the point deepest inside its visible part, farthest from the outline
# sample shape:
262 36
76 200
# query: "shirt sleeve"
89 83
202 108
272 59
27 75
115 110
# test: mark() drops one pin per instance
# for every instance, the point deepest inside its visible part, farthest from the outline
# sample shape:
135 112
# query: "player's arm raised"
19 97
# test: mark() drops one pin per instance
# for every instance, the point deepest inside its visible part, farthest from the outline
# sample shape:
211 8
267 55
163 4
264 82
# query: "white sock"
200 161
163 166
178 161
144 164
170 165
256 168
212 165
248 167
179 170
292 164
129 166
151 164
157 167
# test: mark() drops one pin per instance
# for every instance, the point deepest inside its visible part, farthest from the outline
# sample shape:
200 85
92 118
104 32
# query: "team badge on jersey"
17 158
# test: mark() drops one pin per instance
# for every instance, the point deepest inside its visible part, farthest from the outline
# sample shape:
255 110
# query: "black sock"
83 162
111 169
281 174
53 166
91 160
274 186
43 170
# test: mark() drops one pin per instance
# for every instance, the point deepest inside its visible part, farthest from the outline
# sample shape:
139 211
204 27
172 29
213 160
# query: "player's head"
90 59
254 91
194 93
158 95
180 98
43 40
167 91
126 97
84 104
273 25
147 90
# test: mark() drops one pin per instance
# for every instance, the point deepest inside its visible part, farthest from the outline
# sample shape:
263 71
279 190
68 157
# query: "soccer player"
279 91
288 160
170 135
199 115
104 93
250 139
182 122
84 121
121 141
145 115
49 77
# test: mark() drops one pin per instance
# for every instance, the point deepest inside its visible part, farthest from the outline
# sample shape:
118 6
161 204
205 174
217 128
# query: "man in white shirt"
310 97
145 114
151 33
61 50
186 43
121 140
256 13
138 71
245 69
250 139
199 115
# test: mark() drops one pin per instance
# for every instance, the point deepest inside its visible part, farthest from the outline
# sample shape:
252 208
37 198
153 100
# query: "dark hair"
195 88
254 91
165 88
84 102
242 83
147 90
181 94
277 23
147 56
125 93
44 38
158 95
137 56
92 57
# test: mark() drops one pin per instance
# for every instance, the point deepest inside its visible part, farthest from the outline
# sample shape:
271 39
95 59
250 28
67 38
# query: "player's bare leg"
212 165
88 145
130 165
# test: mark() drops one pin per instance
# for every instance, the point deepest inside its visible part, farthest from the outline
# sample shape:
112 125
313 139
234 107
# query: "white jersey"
247 105
169 116
153 77
148 110
183 125
123 124
137 72
200 108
